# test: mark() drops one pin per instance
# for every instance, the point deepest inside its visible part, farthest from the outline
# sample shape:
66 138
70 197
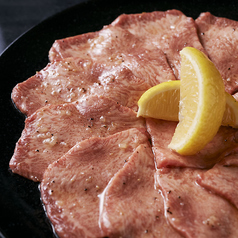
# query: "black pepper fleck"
169 210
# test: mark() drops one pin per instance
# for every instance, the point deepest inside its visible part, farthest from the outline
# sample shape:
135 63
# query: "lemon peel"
202 103
162 102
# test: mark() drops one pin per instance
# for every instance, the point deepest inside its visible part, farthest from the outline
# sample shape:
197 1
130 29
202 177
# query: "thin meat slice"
59 82
52 130
193 210
219 37
72 46
120 85
71 186
107 43
71 79
169 31
161 132
117 46
222 179
131 206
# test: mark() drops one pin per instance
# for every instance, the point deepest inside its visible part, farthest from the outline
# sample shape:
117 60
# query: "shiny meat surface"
104 172
161 132
131 206
51 131
72 185
71 79
219 37
192 210
119 47
169 31
222 179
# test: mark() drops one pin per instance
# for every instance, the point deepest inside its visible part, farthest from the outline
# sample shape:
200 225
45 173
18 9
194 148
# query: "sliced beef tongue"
71 79
142 51
165 33
219 36
108 43
169 31
52 130
71 186
131 207
192 210
119 47
161 133
222 179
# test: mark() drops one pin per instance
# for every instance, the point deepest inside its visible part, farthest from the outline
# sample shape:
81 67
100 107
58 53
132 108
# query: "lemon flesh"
162 102
230 117
202 103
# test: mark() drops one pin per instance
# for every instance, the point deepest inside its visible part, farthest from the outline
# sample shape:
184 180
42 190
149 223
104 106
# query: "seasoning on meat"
103 171
53 130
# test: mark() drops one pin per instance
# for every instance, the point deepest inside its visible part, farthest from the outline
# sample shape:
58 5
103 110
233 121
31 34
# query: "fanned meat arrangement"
80 176
52 130
105 172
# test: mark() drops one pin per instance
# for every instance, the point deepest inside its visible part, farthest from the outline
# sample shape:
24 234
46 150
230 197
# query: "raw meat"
51 131
161 132
72 185
193 210
222 179
131 206
169 31
99 174
117 46
72 79
219 37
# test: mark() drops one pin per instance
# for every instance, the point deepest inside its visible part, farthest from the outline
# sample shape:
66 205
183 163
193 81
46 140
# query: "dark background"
21 211
18 16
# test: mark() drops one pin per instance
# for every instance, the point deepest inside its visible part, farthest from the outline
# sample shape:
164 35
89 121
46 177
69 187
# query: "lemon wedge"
162 102
230 117
202 103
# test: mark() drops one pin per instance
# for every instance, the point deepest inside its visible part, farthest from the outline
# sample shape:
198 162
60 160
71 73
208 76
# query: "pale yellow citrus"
162 102
202 103
230 117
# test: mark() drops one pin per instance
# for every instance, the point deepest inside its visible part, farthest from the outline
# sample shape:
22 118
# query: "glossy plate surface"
21 211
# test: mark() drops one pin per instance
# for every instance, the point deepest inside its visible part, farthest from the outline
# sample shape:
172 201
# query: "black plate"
21 211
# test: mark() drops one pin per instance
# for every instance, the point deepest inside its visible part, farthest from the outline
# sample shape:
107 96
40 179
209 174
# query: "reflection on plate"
20 205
